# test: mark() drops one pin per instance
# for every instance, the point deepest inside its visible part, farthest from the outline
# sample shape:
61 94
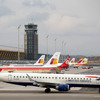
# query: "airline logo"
84 61
66 62
53 61
97 78
79 62
40 61
72 61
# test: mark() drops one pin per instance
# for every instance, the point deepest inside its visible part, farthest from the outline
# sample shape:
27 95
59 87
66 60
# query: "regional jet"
60 82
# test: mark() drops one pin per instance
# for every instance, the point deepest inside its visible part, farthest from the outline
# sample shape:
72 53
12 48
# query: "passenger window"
55 77
65 77
87 78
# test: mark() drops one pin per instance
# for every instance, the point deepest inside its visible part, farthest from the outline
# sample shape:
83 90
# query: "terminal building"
10 53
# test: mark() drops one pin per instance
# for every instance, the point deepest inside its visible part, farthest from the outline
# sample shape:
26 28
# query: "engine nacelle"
63 87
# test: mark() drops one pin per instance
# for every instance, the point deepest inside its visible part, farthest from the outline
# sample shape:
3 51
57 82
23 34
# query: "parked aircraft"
61 82
50 67
83 62
39 62
80 63
70 62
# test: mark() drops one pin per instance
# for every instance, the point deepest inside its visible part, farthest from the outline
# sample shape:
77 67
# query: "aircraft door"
9 77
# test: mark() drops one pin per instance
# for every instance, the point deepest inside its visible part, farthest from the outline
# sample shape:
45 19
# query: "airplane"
83 62
49 67
60 82
39 62
72 61
80 63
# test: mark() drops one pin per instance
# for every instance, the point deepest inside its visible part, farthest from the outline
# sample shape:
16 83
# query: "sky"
73 25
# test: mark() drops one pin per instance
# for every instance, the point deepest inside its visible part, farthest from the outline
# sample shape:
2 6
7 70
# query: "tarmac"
15 92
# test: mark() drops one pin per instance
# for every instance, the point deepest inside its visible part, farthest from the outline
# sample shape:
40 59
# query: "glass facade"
10 55
31 42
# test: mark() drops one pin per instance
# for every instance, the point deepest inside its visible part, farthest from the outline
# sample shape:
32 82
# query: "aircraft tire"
99 90
47 90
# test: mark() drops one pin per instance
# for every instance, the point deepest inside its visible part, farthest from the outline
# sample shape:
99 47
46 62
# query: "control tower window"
30 26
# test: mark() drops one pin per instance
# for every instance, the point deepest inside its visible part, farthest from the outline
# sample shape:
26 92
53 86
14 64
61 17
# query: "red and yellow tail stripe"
41 61
53 61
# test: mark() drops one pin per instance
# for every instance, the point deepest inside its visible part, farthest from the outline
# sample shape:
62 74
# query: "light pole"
18 43
62 50
55 45
47 46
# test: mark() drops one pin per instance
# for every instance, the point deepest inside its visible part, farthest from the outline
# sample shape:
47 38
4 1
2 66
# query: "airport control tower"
31 42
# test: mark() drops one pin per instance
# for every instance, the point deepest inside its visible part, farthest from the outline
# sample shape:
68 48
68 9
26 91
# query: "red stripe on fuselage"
28 68
92 76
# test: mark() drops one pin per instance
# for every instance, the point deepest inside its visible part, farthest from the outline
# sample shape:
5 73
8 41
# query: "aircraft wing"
44 84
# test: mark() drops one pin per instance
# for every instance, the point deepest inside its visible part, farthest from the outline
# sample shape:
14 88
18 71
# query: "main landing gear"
99 90
47 90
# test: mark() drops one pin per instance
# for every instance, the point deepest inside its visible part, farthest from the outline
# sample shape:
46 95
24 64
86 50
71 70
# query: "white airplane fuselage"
61 82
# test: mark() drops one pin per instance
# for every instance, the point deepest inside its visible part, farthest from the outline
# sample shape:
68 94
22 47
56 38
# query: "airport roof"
9 48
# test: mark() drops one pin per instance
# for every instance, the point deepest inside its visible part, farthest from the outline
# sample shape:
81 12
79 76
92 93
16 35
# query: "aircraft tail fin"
65 63
79 61
40 61
54 59
84 61
72 61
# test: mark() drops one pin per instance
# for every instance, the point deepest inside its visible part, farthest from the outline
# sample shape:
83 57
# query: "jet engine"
63 87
